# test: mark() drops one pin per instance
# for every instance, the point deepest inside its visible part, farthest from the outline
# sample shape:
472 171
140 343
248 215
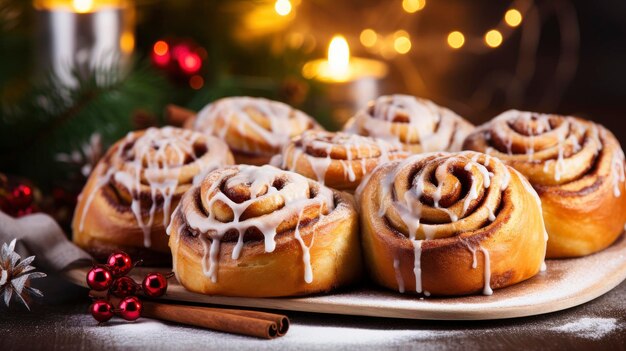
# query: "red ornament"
130 308
190 62
180 59
21 197
123 286
101 311
154 285
99 278
119 263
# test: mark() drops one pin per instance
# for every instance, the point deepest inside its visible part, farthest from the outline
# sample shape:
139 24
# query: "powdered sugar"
589 328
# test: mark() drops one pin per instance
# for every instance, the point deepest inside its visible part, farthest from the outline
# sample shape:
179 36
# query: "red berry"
119 263
123 286
99 278
130 308
154 285
22 196
101 310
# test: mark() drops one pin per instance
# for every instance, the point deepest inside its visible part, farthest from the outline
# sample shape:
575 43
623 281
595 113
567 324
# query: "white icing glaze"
358 150
260 181
156 157
435 128
487 288
617 170
417 265
399 279
409 208
284 120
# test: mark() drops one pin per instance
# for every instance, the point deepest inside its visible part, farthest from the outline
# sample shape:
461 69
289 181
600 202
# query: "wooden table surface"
61 322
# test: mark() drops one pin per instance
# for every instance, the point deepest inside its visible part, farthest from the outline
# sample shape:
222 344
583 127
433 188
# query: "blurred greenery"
40 118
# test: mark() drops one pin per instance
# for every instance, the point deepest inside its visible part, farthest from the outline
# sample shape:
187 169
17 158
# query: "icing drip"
417 265
473 195
306 254
261 184
399 279
559 167
357 149
284 121
156 158
487 289
617 168
492 216
102 181
404 118
409 207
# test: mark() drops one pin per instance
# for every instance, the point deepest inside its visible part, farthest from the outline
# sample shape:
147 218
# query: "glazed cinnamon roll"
262 231
418 124
450 224
576 166
127 201
255 129
339 160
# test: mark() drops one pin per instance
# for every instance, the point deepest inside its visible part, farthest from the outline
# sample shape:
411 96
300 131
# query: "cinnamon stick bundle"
252 323
244 322
178 116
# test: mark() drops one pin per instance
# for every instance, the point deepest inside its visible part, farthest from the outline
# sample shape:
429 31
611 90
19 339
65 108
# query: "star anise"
15 275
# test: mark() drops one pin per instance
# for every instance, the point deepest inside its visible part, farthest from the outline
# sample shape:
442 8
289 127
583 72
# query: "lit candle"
351 81
83 35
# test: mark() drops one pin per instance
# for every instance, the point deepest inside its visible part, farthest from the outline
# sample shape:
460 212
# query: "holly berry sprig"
112 277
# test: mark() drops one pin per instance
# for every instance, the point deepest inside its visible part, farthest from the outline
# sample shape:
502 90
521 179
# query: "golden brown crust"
281 202
425 207
254 128
338 160
417 124
576 166
151 167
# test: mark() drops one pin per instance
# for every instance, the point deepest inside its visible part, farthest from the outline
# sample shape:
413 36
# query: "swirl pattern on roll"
141 179
249 210
433 213
339 160
255 129
576 166
419 125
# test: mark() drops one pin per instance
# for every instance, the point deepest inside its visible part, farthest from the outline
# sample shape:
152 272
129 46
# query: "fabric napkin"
42 237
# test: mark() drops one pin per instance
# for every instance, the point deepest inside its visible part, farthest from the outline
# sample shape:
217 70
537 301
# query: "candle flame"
339 56
82 6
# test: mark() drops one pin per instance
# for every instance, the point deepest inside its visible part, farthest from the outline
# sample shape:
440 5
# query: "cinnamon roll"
576 166
127 201
418 124
262 231
255 129
339 160
450 224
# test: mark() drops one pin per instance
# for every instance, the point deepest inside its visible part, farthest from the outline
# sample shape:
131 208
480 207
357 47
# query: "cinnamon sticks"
178 116
252 323
245 322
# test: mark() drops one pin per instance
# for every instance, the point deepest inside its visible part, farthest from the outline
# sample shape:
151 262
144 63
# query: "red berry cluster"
112 277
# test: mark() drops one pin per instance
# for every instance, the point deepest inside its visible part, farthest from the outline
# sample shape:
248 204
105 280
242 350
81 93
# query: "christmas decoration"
182 60
154 285
119 263
17 196
99 278
123 287
130 308
101 310
111 283
15 275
